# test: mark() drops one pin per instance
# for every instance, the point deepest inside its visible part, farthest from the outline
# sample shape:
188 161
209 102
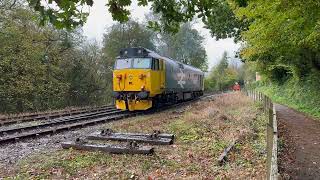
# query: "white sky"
99 19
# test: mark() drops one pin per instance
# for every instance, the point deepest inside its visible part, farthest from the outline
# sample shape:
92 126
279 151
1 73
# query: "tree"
85 75
129 34
185 46
29 67
222 76
282 38
43 68
217 15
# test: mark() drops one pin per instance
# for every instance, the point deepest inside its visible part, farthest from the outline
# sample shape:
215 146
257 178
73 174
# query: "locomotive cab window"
141 63
155 64
123 64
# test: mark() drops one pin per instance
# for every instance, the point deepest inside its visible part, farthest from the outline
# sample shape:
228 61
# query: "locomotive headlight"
142 88
141 76
119 76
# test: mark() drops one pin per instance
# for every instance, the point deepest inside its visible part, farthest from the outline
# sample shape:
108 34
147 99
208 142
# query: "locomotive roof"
156 55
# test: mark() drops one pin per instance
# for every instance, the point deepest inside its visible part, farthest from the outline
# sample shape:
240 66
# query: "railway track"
13 134
52 115
34 115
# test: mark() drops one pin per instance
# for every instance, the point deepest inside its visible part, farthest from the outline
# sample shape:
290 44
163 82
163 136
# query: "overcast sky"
99 19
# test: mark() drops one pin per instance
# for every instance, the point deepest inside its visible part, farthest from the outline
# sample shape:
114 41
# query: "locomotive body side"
182 80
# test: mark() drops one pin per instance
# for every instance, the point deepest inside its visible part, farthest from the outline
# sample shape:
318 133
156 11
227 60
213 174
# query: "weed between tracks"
202 131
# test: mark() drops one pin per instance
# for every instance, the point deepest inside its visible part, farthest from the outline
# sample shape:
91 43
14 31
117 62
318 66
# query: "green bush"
302 95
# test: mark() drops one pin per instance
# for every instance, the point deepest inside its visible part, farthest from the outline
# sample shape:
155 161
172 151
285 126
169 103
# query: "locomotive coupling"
117 95
143 95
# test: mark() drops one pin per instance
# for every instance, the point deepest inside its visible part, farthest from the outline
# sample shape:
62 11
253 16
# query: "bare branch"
14 3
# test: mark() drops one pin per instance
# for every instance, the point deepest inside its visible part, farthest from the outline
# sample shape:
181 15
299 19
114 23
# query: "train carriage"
143 79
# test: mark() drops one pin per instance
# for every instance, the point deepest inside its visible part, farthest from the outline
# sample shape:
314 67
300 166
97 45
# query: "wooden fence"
272 133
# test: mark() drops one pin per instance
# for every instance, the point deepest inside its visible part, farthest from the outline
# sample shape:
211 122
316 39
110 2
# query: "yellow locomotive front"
137 79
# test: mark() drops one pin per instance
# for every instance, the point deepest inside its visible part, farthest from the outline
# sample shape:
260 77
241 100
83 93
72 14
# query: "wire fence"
272 132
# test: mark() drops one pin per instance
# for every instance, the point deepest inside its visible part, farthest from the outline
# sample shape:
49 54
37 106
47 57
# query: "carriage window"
141 63
123 64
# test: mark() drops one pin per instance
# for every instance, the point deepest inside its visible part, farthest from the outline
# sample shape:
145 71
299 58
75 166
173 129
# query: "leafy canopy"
283 37
217 15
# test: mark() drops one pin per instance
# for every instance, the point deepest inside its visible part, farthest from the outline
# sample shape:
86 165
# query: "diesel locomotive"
143 79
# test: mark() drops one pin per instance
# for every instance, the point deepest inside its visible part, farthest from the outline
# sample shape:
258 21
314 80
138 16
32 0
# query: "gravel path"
300 136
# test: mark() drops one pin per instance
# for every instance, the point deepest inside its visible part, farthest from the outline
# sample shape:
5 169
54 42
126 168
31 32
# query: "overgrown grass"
303 96
202 132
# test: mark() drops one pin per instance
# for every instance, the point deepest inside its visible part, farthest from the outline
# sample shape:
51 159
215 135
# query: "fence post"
273 155
272 135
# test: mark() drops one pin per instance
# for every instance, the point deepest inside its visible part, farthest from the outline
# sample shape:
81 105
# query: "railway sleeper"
130 148
152 138
155 134
141 139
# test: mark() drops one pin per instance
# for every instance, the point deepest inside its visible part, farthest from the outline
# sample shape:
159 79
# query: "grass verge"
300 97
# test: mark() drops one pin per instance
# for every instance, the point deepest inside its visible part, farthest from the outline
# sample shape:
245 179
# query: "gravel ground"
11 153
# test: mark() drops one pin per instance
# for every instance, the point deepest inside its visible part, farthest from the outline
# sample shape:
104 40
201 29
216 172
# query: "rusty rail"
64 124
49 115
54 130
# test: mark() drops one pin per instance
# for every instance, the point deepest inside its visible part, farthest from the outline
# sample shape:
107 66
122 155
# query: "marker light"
119 76
141 76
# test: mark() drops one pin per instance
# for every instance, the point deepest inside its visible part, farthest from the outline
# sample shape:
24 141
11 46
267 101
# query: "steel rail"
52 116
84 121
40 114
59 121
62 128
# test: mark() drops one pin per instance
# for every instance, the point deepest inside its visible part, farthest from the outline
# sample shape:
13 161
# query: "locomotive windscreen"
133 63
123 64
